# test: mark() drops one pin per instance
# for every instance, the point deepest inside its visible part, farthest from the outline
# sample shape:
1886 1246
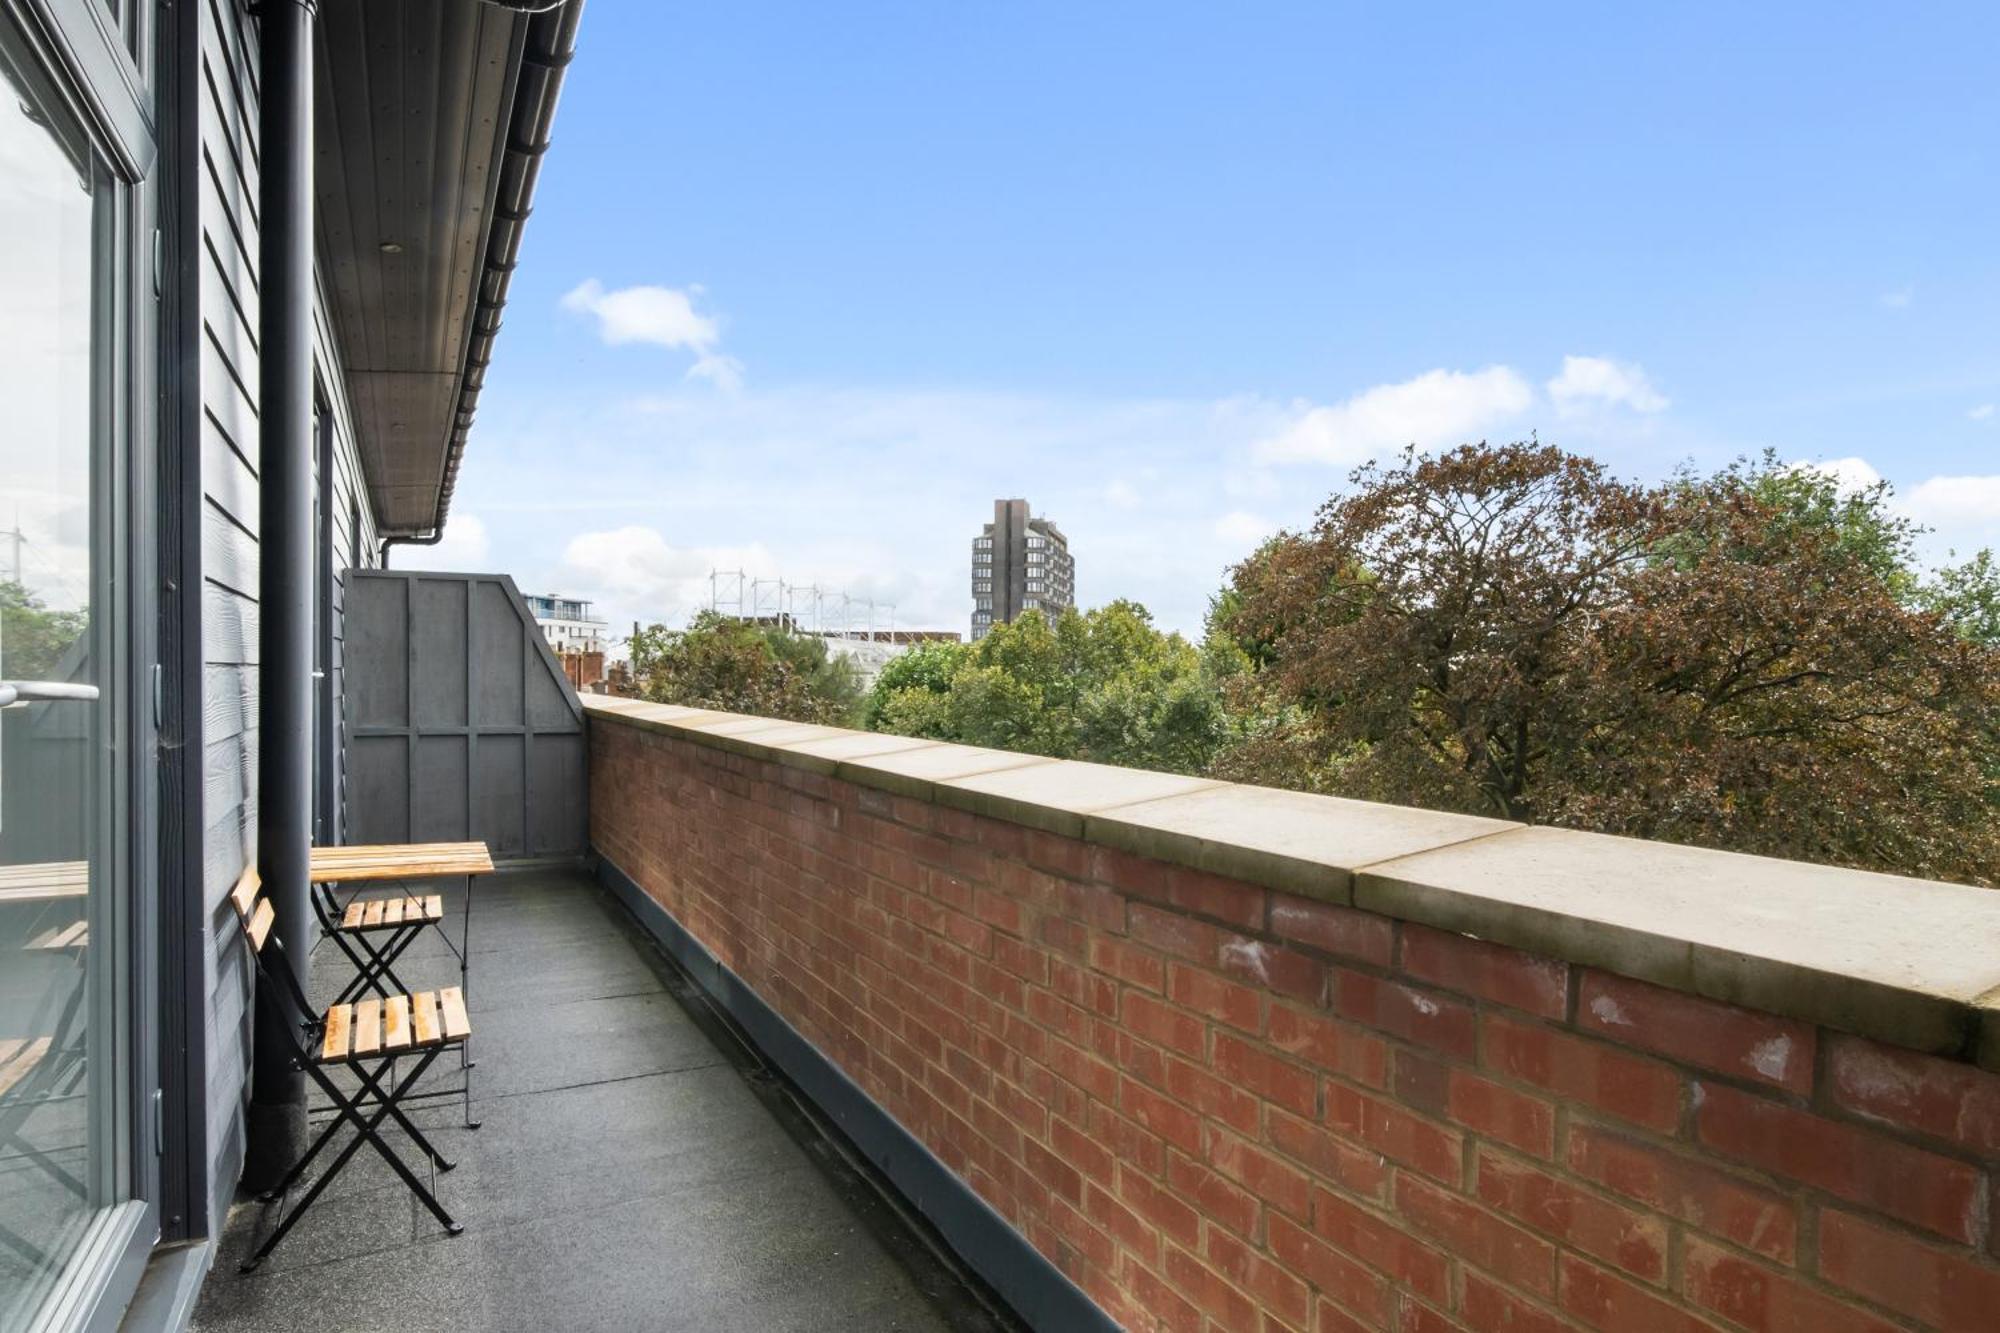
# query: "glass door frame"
93 63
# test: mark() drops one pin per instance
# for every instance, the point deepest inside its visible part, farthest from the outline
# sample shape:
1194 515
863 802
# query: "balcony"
636 1168
1158 1052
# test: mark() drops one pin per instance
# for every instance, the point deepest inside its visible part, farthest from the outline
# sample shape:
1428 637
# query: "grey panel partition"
460 722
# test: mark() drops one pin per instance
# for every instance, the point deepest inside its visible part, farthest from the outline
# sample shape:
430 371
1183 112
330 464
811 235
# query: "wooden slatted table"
44 881
364 863
421 860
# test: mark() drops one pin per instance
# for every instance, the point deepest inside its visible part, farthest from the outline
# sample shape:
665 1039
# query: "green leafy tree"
742 667
1102 685
1967 596
1730 660
34 638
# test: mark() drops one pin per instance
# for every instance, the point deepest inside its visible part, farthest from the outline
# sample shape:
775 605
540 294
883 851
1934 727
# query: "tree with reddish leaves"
1738 661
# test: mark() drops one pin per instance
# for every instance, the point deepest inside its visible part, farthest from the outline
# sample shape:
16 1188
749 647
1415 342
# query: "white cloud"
1122 494
465 548
1954 503
1851 475
1588 382
663 316
1437 408
1901 298
1239 527
636 566
1983 412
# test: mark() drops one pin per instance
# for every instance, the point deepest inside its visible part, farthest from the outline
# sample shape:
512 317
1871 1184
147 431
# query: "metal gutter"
548 49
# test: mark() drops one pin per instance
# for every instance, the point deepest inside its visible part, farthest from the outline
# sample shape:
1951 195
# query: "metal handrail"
42 691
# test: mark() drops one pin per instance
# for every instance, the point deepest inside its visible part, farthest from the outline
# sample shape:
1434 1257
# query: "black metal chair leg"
366 1131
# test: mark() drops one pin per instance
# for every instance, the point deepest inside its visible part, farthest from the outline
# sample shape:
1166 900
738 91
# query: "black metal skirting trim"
1036 1289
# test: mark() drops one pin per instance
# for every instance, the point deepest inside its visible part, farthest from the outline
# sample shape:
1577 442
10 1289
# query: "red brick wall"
1216 1107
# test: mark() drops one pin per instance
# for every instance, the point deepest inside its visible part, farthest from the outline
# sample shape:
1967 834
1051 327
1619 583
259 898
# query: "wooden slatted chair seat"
18 1058
392 912
368 1029
75 935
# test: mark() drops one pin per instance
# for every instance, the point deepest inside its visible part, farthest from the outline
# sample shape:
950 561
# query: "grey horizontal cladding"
228 478
229 702
228 627
228 553
1906 961
228 371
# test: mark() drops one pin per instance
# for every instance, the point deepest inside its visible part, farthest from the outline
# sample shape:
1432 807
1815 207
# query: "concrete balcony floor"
635 1169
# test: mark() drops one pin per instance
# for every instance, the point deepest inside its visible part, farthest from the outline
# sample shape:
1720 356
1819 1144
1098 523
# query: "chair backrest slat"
260 923
244 895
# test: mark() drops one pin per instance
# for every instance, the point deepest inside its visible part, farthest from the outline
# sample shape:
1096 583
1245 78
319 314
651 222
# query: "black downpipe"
277 1116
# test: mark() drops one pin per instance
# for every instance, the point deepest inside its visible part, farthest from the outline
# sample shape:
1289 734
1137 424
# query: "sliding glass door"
72 1160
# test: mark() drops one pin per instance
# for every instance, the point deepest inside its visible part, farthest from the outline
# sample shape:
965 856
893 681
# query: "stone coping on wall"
1907 961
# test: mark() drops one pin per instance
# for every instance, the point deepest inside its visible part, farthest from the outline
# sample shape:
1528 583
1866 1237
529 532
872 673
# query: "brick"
1175 933
1275 1290
1382 1245
1129 964
1164 1025
1270 1178
1214 998
1207 1289
1332 929
1481 1105
1173 1312
1471 1233
1128 1141
1624 1237
1413 1316
1856 1164
1489 971
1286 971
1627 1086
1937 1287
1396 1133
1699 1194
1215 1097
1175 1218
1341 1279
1428 1018
1218 1198
1704 1033
1251 1066
1227 900
1330 1318
1922 1093
1331 1045
1355 1169
1081 1151
1172 1122
1119 1222
1488 1307
1603 1300
1745 1292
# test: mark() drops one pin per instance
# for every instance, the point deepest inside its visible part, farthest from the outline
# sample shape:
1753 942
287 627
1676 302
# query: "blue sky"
807 286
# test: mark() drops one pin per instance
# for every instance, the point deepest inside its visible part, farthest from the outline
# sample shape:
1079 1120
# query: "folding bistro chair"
375 932
367 1039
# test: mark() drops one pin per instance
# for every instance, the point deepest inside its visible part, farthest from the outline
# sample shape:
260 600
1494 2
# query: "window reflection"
51 814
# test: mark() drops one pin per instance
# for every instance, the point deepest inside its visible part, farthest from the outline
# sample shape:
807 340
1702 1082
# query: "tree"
33 638
1967 595
1727 661
742 667
1102 685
